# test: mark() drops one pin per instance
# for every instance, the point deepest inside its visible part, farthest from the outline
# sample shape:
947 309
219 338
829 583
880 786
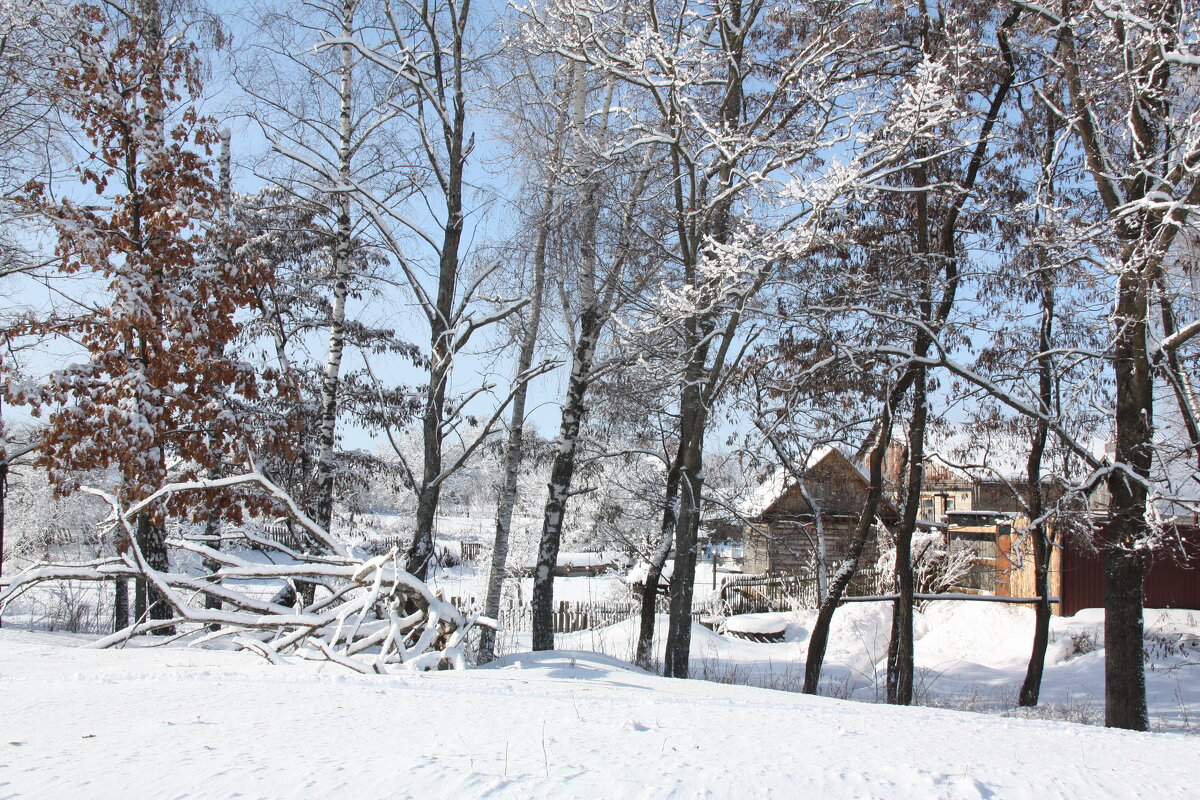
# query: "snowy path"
172 723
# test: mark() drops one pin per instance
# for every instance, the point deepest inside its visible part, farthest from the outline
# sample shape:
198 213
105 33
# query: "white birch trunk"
331 378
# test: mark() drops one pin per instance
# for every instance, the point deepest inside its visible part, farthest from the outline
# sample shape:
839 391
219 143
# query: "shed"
781 530
1076 570
1003 557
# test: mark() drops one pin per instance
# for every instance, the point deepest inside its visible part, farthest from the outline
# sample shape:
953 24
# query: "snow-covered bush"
72 606
39 525
937 567
1083 642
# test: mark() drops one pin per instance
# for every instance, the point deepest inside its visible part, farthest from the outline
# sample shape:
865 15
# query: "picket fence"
285 535
568 616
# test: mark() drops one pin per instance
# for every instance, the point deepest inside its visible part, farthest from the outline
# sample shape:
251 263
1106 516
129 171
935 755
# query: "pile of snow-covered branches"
365 615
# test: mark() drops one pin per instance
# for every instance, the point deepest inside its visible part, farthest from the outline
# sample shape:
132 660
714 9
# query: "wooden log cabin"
781 530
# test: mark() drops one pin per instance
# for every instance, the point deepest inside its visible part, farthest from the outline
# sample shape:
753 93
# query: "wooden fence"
288 536
568 616
747 594
753 594
1172 573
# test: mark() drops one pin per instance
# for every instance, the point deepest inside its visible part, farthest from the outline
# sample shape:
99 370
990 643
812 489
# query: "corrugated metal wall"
1172 577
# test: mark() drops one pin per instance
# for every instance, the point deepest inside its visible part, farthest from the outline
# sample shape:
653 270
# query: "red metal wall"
1172 580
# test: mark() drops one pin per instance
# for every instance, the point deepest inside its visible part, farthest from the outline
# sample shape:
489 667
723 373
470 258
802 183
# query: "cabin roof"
768 494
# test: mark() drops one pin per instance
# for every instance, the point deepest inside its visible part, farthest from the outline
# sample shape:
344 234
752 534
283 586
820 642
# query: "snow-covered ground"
179 723
968 655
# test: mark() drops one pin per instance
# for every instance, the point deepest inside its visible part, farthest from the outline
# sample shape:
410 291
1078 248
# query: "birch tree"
597 256
429 50
325 109
547 153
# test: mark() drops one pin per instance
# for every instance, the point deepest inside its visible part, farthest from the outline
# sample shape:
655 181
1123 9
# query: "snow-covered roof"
641 570
770 490
780 480
581 560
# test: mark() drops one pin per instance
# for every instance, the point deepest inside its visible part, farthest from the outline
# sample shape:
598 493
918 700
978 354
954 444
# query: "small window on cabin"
927 508
949 504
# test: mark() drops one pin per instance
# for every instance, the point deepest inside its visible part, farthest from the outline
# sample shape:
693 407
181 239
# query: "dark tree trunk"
818 640
693 419
139 599
900 644
120 604
701 378
940 239
649 612
679 634
141 602
1040 531
420 552
212 538
1032 686
449 82
152 541
1124 669
1146 238
900 648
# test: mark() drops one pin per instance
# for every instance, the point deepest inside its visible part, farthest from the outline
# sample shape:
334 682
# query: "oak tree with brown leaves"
156 393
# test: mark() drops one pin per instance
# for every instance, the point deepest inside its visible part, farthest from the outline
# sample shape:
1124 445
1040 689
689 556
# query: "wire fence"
71 606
